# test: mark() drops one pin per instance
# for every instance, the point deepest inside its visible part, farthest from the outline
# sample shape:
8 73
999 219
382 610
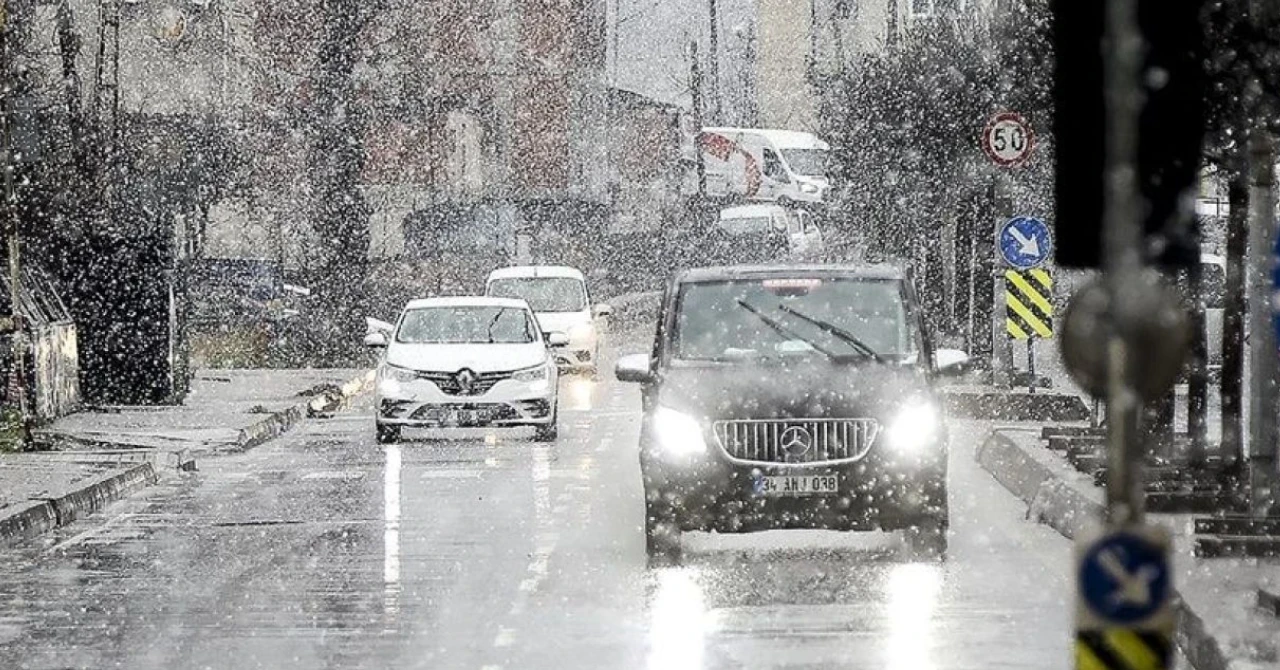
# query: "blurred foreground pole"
1264 359
18 375
1122 259
1198 370
1233 313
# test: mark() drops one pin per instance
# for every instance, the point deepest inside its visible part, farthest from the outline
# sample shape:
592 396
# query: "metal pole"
1198 371
1001 347
1233 314
1122 54
1264 361
1031 365
696 93
713 46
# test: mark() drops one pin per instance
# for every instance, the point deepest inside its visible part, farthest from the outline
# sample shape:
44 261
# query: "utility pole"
714 49
1198 371
1234 308
695 87
18 379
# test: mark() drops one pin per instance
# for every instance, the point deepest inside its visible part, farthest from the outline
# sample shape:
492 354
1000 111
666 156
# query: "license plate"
797 485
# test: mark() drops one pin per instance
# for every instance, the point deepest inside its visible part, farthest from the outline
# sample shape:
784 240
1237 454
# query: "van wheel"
661 537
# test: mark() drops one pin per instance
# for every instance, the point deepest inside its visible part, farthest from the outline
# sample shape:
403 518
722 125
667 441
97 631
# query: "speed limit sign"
1008 139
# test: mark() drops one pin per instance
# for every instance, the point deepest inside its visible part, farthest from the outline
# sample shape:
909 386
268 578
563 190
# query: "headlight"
677 433
917 425
538 373
808 188
393 373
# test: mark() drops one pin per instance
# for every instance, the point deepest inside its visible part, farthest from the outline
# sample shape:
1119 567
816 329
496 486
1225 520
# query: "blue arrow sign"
1025 242
1124 578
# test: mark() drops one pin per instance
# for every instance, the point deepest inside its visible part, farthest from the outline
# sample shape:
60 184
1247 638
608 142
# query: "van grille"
796 441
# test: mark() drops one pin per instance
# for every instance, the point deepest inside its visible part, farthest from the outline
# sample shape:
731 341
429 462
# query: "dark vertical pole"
1031 365
984 272
18 383
696 92
1233 314
713 46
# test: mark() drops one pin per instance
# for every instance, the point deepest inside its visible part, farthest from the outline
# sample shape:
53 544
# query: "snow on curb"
39 516
1055 502
322 399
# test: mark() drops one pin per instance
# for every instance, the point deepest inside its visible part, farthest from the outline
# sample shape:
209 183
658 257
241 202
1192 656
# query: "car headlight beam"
678 434
917 425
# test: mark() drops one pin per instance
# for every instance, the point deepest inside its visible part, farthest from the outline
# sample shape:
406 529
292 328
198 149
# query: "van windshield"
807 162
744 225
544 294
723 320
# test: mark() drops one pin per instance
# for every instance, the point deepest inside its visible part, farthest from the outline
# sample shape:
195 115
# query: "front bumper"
581 358
421 404
874 493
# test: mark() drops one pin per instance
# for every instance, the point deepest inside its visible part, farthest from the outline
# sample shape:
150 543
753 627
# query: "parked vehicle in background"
795 227
765 164
559 298
465 362
797 397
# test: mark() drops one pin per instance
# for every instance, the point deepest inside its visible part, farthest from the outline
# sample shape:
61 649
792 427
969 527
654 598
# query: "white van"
764 164
804 241
560 301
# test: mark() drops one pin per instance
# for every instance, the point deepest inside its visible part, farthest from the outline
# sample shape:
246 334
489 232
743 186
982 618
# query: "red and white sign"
1008 139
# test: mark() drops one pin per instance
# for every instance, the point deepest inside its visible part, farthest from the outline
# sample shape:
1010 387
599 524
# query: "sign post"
1025 244
1008 142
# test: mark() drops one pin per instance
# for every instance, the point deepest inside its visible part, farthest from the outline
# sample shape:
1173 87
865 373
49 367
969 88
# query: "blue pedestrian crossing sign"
1124 578
1025 242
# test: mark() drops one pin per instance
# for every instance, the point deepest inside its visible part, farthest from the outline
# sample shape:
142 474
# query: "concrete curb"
996 405
39 516
321 400
1056 503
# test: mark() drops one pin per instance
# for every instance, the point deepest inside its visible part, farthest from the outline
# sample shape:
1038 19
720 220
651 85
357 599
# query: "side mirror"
376 340
602 310
556 339
633 368
950 361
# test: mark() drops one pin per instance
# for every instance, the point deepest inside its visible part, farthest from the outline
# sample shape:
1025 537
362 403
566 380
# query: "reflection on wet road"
325 550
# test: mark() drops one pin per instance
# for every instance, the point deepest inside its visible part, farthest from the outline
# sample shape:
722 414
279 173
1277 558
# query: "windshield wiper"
493 322
786 332
837 332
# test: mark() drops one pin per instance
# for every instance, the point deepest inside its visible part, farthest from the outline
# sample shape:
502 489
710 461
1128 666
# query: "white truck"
767 165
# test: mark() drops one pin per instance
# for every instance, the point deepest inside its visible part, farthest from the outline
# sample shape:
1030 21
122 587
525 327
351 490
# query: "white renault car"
558 296
466 362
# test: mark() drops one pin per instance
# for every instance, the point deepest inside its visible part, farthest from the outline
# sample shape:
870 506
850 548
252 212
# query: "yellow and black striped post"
1028 298
1124 613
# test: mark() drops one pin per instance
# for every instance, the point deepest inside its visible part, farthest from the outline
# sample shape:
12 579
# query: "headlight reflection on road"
912 592
580 392
391 533
678 622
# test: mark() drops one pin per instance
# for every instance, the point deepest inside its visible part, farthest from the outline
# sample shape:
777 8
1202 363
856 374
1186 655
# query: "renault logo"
796 441
466 380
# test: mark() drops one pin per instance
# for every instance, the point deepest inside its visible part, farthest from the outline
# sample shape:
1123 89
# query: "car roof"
750 211
529 271
467 301
783 139
885 272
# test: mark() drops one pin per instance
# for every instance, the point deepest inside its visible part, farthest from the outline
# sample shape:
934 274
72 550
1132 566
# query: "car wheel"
661 537
388 434
548 432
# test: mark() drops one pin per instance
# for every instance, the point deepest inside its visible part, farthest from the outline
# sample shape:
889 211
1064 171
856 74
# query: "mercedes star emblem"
796 441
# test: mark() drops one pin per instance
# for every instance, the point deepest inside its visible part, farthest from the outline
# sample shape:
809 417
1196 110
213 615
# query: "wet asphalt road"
324 550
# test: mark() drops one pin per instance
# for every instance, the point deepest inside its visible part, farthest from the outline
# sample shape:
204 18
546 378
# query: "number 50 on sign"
1008 139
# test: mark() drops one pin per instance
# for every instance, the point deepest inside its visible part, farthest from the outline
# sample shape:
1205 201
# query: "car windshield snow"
466 325
544 294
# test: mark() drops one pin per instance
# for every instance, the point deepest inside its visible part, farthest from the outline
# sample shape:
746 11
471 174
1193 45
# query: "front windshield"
747 225
807 162
544 294
466 325
746 319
